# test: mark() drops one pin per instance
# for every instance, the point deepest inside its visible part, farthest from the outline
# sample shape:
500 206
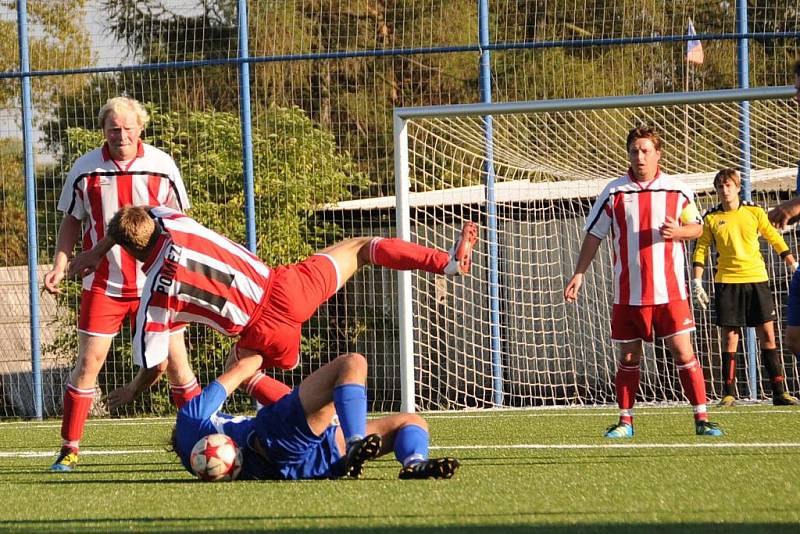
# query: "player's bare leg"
352 254
339 388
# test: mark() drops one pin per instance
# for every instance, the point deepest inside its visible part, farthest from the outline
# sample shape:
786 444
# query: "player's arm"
598 226
781 215
588 251
688 226
143 380
698 266
68 234
776 240
701 252
87 262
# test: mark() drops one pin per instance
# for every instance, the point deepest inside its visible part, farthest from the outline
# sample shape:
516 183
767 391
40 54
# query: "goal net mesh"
548 168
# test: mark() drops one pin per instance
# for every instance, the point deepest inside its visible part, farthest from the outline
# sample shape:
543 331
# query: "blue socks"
411 445
350 401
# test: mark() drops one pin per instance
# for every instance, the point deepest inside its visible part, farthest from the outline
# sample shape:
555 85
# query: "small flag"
694 48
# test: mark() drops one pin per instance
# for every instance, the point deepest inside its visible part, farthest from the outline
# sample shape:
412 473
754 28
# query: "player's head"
725 175
644 132
728 184
122 120
644 152
133 229
123 105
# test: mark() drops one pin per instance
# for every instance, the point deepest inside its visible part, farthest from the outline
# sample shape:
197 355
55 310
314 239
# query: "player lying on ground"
296 437
195 275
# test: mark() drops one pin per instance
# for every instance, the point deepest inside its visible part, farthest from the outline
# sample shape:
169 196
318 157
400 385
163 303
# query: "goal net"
503 336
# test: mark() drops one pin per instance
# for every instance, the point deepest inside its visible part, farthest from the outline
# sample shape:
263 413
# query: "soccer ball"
216 457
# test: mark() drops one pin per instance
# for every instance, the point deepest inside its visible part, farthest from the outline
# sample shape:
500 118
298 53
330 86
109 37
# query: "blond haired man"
123 171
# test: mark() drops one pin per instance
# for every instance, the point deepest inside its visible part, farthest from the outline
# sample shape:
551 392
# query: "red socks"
77 403
184 393
401 255
265 389
694 387
627 384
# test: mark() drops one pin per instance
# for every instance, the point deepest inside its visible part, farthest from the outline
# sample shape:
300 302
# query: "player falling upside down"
195 275
648 214
295 438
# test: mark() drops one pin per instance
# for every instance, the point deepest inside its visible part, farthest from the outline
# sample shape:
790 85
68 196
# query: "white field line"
520 446
577 446
488 414
596 412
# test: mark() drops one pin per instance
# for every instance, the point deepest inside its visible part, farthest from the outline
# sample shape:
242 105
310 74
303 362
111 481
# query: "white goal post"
527 173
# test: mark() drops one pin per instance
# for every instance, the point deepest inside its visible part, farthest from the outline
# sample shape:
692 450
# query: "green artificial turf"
522 471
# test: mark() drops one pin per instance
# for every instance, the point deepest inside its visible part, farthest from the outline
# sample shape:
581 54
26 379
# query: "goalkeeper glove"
700 294
793 267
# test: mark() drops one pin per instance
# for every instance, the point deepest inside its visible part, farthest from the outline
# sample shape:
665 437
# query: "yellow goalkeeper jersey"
734 235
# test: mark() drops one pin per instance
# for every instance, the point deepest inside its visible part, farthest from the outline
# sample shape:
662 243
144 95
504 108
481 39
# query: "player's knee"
90 362
417 420
354 362
364 253
630 359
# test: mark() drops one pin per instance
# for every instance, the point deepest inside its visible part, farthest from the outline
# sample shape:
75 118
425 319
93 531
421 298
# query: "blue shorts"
293 449
793 312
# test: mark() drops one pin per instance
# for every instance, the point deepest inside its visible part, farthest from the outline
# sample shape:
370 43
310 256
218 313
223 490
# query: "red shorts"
297 291
102 315
631 323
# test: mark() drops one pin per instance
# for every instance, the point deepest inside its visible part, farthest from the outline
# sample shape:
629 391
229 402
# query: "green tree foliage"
57 39
352 98
13 228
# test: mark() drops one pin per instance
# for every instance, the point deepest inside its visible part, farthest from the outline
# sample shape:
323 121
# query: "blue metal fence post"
30 206
247 136
743 62
491 206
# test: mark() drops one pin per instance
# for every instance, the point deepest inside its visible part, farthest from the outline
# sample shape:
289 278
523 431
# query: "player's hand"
782 215
700 294
793 267
84 264
118 398
52 279
573 287
670 228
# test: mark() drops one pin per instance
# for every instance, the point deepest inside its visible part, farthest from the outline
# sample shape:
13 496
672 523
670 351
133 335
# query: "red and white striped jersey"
195 275
647 268
97 186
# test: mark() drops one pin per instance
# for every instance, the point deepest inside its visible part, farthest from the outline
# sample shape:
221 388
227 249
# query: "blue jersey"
293 451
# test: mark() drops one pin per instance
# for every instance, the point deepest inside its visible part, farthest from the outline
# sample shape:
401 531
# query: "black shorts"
744 304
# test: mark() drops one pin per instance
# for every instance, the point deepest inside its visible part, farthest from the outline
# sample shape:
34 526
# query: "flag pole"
686 117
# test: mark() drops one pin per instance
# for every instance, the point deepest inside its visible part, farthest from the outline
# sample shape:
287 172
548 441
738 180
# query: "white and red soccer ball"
216 457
